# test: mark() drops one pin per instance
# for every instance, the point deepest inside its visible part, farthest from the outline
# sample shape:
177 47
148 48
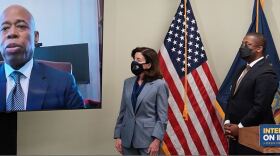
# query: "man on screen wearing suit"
26 84
252 93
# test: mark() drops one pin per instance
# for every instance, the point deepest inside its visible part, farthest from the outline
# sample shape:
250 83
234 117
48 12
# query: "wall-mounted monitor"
70 34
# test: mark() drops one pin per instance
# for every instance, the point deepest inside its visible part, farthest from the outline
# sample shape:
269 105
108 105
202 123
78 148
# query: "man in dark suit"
252 93
26 84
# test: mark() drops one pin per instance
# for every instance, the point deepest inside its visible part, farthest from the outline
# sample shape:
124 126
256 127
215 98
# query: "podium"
250 137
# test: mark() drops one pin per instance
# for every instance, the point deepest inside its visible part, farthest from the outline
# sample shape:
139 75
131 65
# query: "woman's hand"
118 145
154 147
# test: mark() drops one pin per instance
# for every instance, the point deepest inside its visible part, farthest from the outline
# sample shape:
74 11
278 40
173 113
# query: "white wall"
131 23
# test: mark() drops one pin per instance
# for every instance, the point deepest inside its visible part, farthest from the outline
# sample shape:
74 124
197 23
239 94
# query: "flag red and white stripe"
201 132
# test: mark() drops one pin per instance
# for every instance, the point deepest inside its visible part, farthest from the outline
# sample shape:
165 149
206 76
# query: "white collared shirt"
251 65
254 62
24 80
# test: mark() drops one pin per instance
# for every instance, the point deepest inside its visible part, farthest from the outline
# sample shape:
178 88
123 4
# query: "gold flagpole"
257 16
259 2
185 111
262 3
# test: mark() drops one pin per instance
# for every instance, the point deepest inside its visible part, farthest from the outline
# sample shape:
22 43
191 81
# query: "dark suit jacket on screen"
49 89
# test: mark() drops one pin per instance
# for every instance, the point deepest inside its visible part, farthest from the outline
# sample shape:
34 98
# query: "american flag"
201 132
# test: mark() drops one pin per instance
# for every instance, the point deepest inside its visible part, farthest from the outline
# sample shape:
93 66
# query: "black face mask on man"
137 68
245 51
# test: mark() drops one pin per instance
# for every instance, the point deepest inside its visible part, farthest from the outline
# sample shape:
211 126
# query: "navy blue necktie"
15 101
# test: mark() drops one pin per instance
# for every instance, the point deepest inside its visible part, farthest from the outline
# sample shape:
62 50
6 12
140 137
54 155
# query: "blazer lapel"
3 82
129 91
143 93
249 73
37 88
235 80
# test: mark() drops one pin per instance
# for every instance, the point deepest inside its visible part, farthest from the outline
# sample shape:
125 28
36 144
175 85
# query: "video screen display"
51 55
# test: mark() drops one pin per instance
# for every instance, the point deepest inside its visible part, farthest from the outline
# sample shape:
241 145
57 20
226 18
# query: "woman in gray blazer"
142 119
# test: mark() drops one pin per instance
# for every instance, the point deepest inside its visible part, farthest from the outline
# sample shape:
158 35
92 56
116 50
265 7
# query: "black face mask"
137 68
245 52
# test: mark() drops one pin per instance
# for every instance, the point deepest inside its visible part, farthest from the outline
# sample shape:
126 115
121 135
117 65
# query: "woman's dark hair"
151 57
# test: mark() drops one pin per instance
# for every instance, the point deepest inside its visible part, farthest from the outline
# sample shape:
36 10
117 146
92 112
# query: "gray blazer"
138 128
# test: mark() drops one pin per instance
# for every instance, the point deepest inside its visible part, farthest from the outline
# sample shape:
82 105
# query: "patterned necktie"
245 71
15 101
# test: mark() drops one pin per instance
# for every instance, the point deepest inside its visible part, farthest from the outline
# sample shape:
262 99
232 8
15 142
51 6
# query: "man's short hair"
261 39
